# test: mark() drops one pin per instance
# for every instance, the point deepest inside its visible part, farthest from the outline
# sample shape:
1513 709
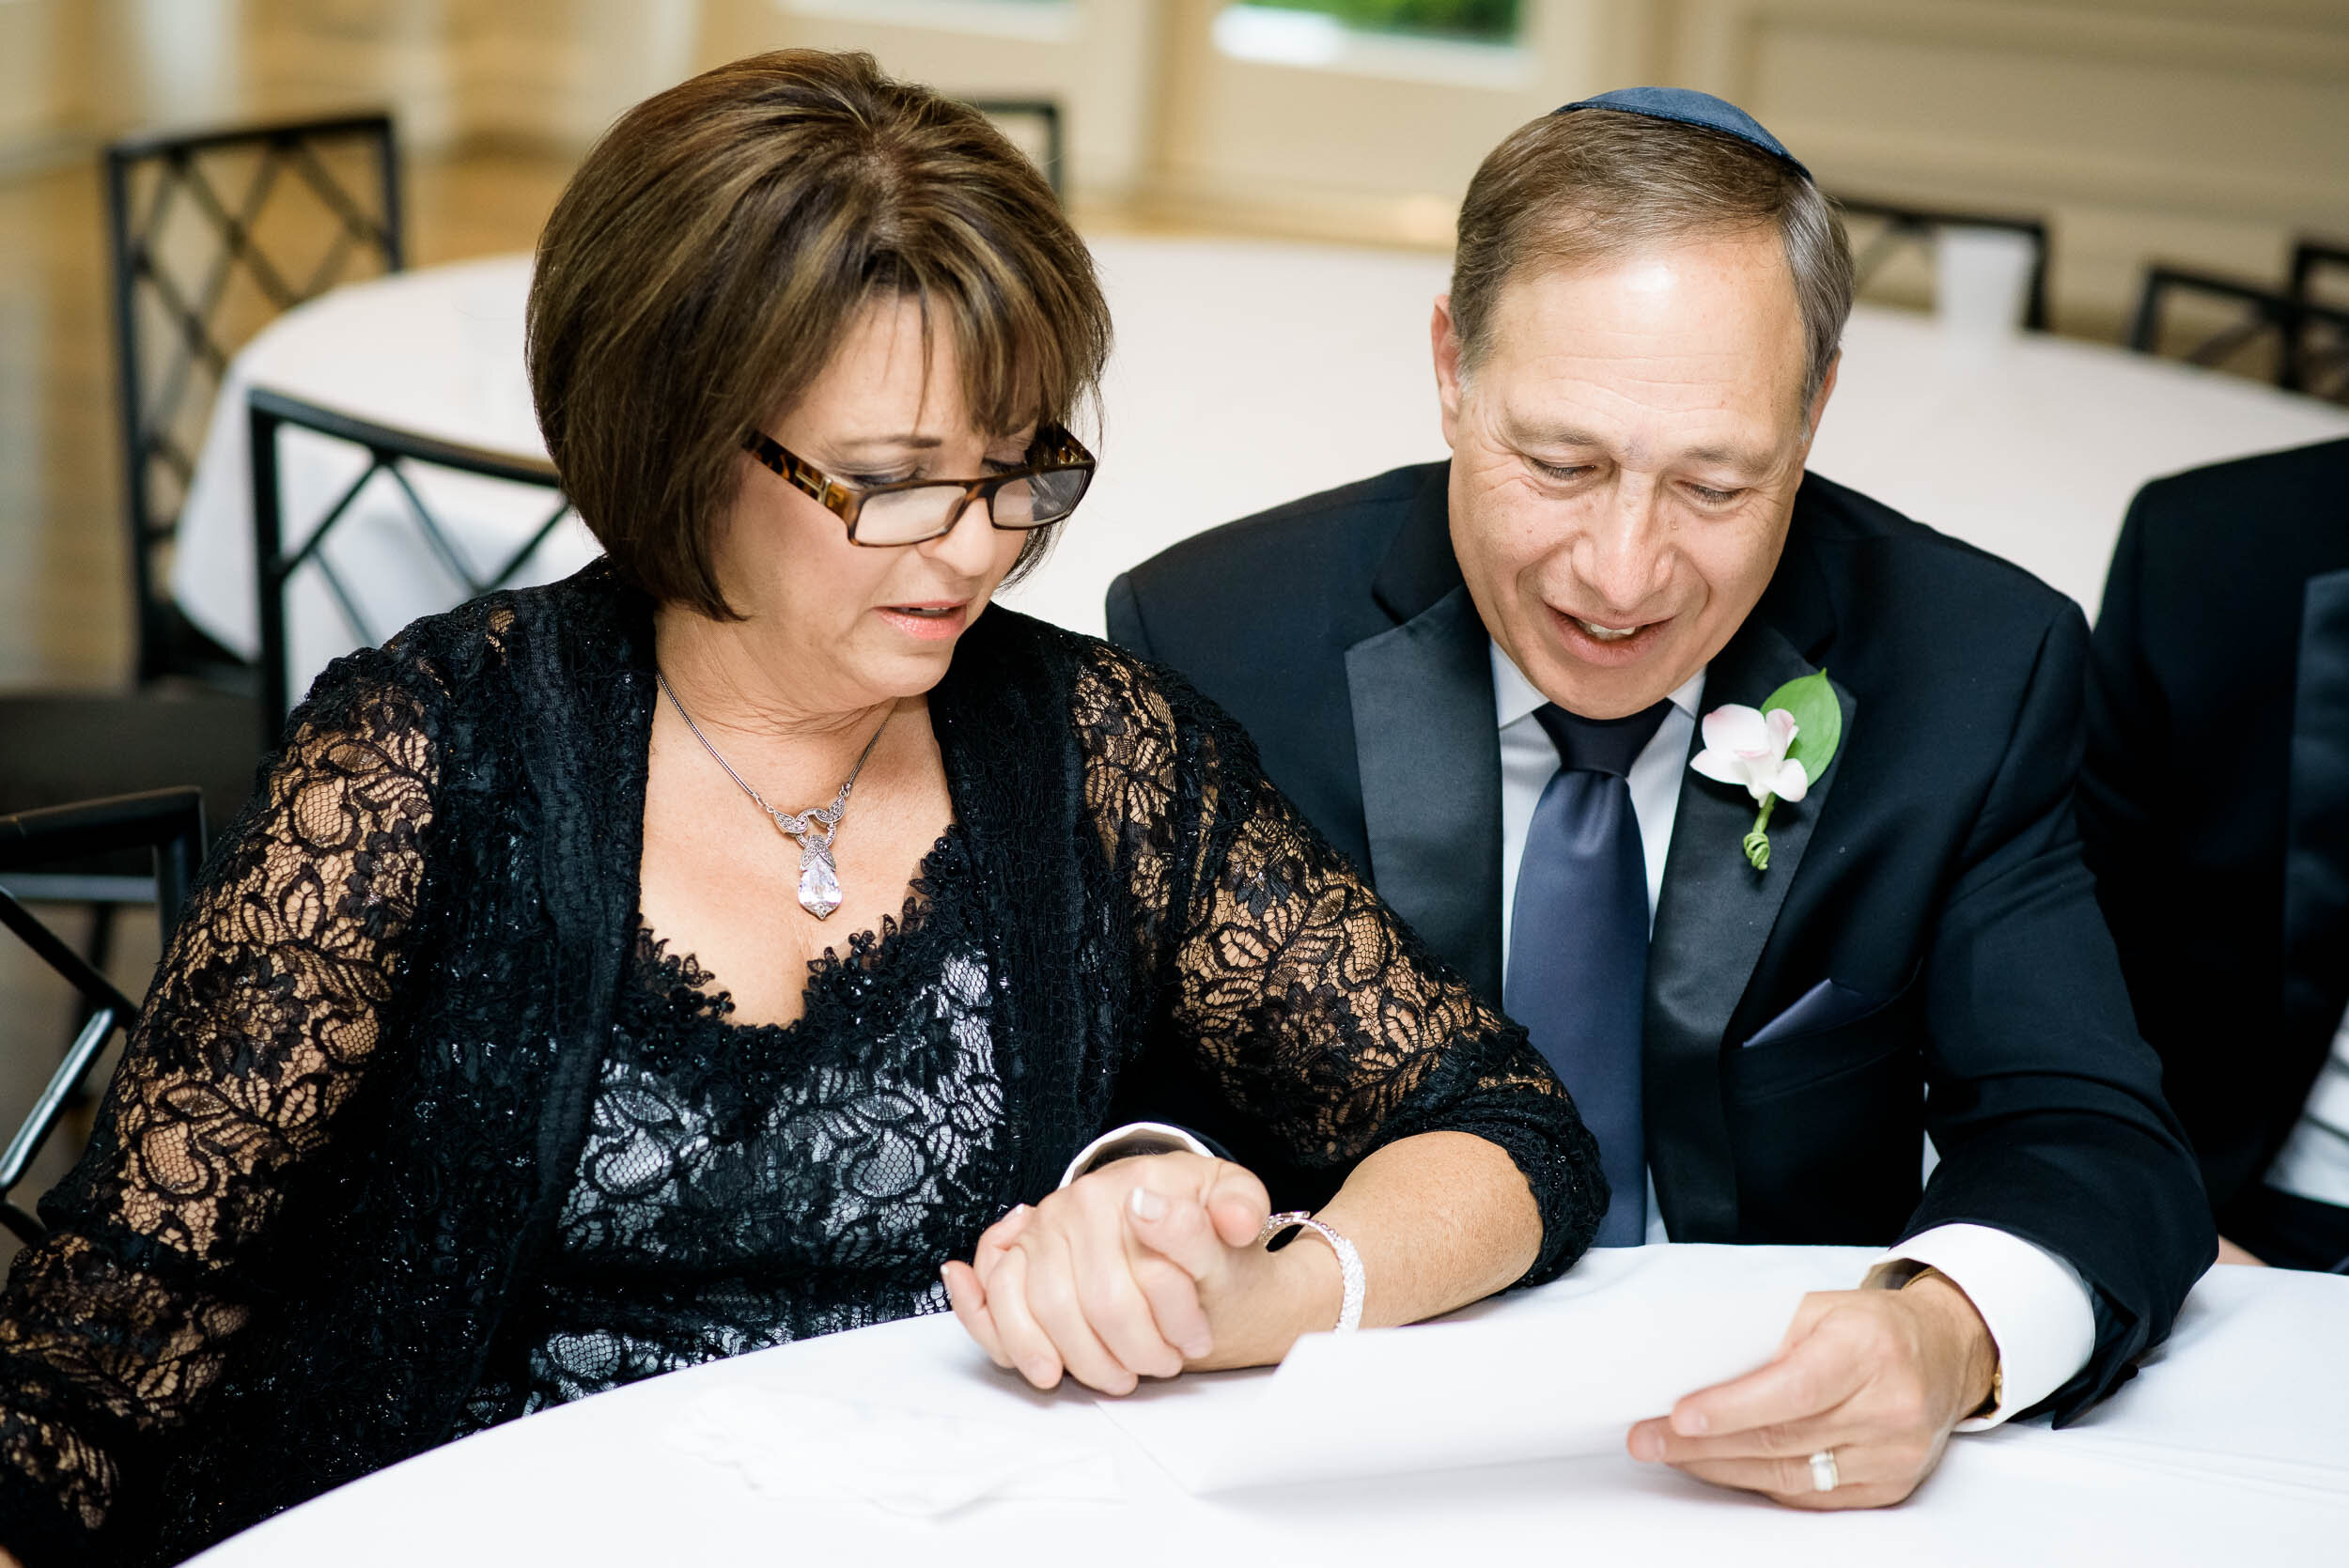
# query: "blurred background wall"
2200 130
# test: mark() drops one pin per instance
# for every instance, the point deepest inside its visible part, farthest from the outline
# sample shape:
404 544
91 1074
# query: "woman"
513 1048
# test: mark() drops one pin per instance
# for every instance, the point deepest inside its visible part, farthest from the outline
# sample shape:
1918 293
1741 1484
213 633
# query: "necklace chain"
812 830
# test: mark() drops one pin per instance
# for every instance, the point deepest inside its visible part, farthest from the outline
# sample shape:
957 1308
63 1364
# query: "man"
1482 679
2214 811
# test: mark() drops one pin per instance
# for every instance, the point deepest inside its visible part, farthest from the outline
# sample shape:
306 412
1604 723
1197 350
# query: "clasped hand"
1880 1377
1143 1268
1150 1266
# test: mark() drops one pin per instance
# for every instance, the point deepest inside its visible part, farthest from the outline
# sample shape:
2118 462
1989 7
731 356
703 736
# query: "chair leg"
99 951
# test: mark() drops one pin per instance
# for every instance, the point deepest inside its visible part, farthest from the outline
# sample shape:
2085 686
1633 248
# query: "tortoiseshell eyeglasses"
1042 491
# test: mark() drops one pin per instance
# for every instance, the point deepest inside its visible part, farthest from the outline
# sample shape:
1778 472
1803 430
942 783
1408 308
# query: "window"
1042 21
1469 43
1473 21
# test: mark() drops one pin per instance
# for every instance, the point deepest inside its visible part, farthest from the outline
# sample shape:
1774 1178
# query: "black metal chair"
2310 261
210 234
2300 343
2320 281
58 747
206 235
1886 229
391 454
166 827
1042 113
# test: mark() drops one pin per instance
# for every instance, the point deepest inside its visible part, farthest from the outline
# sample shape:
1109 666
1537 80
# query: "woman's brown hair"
712 250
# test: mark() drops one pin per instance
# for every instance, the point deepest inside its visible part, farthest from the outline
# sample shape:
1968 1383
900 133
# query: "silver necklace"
812 830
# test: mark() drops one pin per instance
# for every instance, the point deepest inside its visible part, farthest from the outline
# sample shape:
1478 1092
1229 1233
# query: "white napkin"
1566 1379
904 1461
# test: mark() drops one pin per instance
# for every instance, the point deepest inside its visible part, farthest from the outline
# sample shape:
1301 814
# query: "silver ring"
1823 1474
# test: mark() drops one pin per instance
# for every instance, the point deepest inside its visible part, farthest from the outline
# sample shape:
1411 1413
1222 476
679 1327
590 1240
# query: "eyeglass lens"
925 511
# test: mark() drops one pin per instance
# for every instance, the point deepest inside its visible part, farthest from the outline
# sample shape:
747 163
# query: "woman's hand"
1140 1269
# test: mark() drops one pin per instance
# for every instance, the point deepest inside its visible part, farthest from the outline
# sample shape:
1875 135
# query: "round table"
1247 373
2232 1444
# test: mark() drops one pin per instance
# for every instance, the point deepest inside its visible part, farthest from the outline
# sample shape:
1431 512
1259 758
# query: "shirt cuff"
1135 1138
2034 1304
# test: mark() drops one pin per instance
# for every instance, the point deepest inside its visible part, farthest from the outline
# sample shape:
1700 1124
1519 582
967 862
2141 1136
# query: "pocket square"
1829 1004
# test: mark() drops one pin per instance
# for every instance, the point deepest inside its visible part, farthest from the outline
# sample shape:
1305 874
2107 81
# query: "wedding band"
1823 1476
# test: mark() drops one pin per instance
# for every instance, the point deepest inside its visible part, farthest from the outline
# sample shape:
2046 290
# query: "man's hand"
1143 1268
2229 1252
1878 1377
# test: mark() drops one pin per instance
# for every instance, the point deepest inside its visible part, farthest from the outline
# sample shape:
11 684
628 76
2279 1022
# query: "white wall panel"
1094 57
2205 131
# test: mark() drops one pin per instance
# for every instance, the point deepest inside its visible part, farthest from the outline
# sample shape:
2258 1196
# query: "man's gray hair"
1569 190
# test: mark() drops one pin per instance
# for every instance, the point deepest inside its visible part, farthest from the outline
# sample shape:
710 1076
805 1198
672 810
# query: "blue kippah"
1687 106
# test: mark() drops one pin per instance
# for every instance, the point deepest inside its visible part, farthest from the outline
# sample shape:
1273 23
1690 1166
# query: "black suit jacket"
1933 874
2214 801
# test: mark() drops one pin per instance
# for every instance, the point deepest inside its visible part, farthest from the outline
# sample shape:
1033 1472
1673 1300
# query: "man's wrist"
1977 1349
2035 1304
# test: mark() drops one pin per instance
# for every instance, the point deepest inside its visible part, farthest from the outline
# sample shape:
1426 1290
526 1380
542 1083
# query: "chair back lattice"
395 461
1033 126
211 235
2320 280
1892 249
169 823
2319 271
2300 343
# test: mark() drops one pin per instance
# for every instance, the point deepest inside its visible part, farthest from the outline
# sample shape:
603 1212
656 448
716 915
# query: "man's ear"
1819 403
1445 343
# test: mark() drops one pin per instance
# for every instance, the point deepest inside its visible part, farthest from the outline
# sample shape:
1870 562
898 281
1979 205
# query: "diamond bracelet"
1350 1262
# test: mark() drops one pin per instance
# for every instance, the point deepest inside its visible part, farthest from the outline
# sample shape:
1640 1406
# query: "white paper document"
898 1459
1556 1376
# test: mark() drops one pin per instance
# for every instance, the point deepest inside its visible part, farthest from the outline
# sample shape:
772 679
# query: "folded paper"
1558 1376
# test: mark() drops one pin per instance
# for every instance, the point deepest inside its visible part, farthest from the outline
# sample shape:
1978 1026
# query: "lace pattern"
743 1187
1309 1002
376 1098
264 1014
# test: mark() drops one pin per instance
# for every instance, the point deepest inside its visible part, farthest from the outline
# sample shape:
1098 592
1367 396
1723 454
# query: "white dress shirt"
2033 1303
2314 1160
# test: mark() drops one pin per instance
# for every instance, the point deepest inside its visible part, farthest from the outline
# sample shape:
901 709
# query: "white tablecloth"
1247 373
2231 1445
437 351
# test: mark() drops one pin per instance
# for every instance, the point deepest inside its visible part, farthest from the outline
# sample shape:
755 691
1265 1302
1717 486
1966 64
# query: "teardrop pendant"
819 878
819 881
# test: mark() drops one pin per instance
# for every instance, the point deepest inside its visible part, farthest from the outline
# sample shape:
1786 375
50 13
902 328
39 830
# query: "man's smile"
1604 633
1609 644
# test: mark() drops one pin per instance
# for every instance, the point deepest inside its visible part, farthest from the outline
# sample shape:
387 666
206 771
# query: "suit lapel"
1429 751
2316 853
1427 747
1716 914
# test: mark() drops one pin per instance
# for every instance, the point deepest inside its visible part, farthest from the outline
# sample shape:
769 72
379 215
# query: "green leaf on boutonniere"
1776 752
1818 721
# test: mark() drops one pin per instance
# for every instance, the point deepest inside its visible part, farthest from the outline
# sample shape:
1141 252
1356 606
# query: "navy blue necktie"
1578 943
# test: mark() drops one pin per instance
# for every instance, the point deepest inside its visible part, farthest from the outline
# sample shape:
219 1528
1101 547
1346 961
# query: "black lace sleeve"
1313 1008
260 1023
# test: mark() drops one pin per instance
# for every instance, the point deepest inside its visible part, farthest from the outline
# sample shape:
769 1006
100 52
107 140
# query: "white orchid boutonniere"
1773 753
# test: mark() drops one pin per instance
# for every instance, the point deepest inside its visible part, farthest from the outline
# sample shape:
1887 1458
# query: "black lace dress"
419 1128
744 1186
